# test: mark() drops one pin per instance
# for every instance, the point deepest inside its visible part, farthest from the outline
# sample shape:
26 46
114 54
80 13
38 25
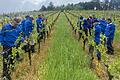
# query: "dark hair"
17 20
27 16
39 15
81 17
109 19
90 17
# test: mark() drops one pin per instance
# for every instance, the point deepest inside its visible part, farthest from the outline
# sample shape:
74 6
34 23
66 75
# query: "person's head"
27 16
109 20
81 17
31 17
42 15
90 16
39 16
16 22
88 19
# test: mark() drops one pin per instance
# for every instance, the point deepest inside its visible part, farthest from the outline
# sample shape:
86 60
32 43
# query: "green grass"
66 60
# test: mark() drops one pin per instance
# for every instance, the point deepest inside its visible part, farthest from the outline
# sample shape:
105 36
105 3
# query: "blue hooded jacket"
97 33
28 26
23 25
9 34
103 24
110 30
39 23
85 24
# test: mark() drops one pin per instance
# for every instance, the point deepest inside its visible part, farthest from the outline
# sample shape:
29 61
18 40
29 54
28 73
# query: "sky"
7 6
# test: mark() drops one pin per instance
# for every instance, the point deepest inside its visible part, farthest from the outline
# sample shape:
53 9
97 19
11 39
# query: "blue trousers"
110 49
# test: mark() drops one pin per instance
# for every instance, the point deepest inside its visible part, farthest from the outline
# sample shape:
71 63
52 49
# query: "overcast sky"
26 5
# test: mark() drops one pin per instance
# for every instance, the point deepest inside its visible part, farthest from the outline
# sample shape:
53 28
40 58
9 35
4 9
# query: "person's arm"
96 30
31 26
37 23
20 37
1 37
112 30
107 31
2 32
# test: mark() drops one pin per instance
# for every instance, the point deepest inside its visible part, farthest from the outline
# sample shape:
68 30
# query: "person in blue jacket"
110 31
23 27
8 36
44 26
97 32
39 21
103 24
28 25
85 26
85 30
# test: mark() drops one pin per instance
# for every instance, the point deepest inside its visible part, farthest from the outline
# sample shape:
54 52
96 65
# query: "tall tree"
43 8
117 3
50 6
106 4
112 4
96 3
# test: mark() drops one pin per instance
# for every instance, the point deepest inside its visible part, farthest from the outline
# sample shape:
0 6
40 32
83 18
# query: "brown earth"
25 72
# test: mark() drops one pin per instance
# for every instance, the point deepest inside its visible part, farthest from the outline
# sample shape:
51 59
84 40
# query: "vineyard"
62 55
111 61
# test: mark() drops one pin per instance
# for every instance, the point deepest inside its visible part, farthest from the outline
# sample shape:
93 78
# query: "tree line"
91 5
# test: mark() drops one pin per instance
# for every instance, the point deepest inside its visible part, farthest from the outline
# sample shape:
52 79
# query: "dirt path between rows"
26 72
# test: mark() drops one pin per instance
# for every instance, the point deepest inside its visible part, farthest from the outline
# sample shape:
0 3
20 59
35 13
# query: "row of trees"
104 4
94 4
